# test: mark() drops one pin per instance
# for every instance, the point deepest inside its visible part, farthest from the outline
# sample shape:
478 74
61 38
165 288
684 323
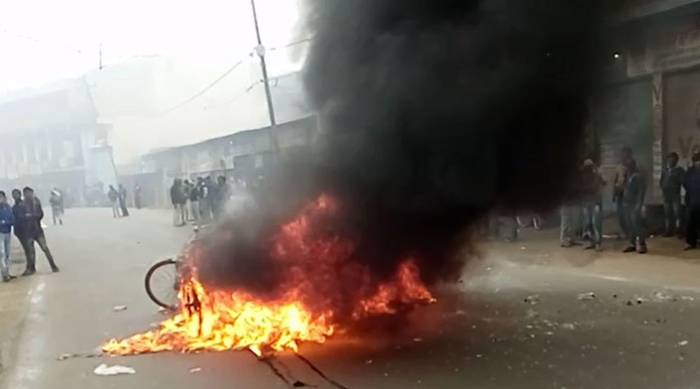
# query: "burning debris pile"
433 115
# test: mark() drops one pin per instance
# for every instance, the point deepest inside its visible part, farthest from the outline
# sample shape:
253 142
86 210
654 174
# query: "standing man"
592 200
692 189
177 199
195 194
212 196
7 219
18 211
223 193
137 196
619 189
204 210
33 232
122 200
113 196
671 182
186 192
56 202
633 202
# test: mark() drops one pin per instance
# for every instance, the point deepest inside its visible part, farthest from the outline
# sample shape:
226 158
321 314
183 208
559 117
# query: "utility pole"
260 51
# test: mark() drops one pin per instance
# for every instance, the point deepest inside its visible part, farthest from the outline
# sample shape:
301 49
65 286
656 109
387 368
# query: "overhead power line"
292 44
204 90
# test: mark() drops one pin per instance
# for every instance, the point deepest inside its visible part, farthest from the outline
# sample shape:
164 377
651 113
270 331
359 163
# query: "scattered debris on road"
119 308
104 370
195 370
683 343
661 296
586 296
532 299
66 356
568 326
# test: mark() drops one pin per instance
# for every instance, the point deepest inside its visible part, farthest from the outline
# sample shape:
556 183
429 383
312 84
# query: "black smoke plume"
433 114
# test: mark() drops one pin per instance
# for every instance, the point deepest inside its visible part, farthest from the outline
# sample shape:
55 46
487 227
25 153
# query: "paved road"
515 321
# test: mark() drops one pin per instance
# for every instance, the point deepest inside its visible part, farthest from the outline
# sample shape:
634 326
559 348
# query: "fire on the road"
320 275
228 321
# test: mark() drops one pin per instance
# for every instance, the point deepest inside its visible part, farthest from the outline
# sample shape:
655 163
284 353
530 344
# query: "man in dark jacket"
633 202
177 198
592 199
7 219
692 189
671 182
33 232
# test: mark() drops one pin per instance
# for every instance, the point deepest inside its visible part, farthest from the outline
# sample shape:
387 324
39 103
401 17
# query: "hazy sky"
44 40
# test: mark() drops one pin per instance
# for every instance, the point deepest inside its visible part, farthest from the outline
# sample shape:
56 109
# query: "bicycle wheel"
161 283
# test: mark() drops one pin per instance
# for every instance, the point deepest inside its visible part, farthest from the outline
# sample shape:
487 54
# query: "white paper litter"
586 296
105 370
118 308
683 343
661 296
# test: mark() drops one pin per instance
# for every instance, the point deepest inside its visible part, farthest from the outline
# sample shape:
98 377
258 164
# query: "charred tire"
149 282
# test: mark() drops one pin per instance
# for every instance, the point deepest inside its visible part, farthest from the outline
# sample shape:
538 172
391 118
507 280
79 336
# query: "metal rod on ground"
320 373
260 50
272 367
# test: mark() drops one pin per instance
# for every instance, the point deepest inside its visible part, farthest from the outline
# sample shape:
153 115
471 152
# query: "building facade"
48 139
244 157
651 102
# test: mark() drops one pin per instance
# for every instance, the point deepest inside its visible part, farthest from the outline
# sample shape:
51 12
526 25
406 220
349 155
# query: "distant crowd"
24 218
200 201
581 212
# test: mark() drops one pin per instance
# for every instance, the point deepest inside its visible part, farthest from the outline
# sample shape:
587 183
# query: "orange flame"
228 321
308 310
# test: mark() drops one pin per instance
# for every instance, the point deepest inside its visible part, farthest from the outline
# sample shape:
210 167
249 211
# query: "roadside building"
651 102
51 137
244 157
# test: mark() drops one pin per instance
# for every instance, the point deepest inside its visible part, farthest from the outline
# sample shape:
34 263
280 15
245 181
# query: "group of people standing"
199 201
629 192
117 197
24 218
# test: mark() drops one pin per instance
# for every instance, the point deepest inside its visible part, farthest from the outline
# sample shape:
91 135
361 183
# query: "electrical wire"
292 44
204 90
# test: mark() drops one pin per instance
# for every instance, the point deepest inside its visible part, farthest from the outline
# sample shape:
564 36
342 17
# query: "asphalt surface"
520 318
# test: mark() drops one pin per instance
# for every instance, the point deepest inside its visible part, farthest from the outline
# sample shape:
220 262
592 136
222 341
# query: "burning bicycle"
306 305
163 278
